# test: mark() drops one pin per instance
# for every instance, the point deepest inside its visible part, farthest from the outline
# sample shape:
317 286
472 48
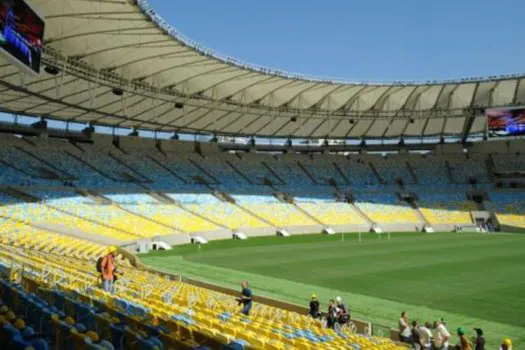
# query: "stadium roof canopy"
169 83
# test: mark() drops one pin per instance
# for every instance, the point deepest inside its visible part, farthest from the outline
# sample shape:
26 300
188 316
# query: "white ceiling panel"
454 126
360 127
396 127
378 128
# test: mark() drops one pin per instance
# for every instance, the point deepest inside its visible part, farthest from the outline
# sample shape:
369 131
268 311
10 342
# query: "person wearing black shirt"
315 307
343 314
416 338
479 341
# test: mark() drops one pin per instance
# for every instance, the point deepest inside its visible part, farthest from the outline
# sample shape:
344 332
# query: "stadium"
130 151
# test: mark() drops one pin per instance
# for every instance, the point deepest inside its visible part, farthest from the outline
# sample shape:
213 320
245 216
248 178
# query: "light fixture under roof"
117 91
52 70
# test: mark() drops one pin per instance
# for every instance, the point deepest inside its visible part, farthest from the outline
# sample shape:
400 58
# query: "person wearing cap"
506 345
479 340
425 336
464 343
404 328
315 307
108 269
442 337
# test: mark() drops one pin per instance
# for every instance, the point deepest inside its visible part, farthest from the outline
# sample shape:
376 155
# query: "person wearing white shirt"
404 328
425 336
442 335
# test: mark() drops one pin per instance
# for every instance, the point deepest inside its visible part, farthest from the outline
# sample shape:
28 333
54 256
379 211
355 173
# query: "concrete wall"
254 232
303 230
401 227
102 141
451 148
207 148
352 228
443 228
485 215
176 239
131 143
214 235
139 143
76 233
177 146
499 146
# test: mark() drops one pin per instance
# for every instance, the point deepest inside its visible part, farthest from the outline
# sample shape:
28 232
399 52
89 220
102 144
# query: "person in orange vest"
108 269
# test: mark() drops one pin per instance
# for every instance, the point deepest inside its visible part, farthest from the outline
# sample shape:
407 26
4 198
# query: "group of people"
337 312
419 336
422 338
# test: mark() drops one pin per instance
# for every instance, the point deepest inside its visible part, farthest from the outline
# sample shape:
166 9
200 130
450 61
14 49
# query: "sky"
378 40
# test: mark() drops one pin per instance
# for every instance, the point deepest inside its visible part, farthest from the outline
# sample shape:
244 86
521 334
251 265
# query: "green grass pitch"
471 280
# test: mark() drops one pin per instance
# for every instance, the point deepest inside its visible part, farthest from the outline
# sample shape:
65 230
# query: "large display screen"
507 121
21 34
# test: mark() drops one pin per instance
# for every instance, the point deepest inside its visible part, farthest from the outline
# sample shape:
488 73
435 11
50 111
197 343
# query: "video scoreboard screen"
507 121
21 34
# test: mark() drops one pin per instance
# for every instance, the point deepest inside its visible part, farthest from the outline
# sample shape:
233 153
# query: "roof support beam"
214 85
146 45
241 115
148 111
52 100
299 95
270 93
118 31
471 112
151 57
491 95
152 74
355 97
409 96
516 90
93 15
380 101
253 120
469 121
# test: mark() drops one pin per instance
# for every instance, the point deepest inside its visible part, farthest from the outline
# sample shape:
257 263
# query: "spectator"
343 315
464 343
331 314
479 340
442 338
315 307
416 339
506 345
425 336
404 328
108 268
246 298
